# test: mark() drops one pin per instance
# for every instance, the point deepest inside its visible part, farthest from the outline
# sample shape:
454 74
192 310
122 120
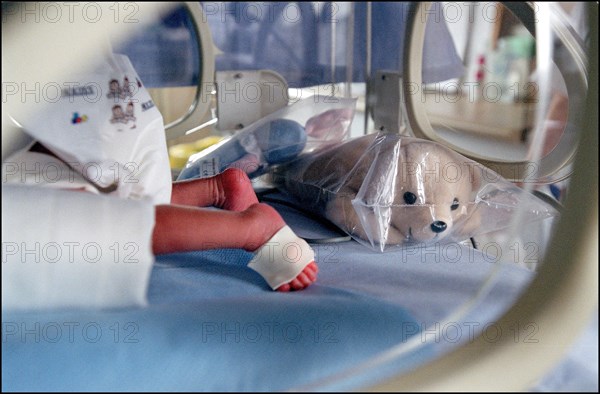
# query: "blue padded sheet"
244 341
213 324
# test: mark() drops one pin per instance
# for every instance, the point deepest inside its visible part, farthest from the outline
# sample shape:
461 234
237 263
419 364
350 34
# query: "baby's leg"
181 228
231 190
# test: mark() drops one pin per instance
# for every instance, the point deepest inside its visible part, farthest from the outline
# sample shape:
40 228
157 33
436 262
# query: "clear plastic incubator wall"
437 160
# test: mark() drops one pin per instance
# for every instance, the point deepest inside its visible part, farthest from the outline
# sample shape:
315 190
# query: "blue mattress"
214 325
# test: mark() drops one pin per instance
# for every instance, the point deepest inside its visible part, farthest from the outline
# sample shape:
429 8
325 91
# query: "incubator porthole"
495 104
168 57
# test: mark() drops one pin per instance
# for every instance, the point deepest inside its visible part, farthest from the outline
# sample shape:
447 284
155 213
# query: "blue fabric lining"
210 326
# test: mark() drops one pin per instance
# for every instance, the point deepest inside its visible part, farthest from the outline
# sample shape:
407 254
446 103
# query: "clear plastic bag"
386 190
307 126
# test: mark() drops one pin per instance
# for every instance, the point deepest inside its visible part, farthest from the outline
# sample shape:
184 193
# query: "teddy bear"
385 189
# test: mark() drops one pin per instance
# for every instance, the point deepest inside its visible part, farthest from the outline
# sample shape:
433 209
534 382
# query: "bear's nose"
438 226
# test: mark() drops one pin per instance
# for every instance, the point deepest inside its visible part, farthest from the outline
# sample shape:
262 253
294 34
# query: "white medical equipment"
569 271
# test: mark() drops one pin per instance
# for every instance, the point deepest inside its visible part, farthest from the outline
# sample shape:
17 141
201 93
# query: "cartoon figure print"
114 89
118 116
123 117
126 91
129 114
118 92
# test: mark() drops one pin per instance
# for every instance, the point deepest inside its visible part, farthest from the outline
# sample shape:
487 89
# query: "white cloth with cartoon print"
105 127
63 248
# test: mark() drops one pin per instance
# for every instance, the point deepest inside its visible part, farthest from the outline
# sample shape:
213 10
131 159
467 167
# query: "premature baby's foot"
307 277
236 190
266 223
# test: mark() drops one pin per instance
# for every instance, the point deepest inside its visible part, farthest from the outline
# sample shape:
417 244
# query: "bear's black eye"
410 198
454 205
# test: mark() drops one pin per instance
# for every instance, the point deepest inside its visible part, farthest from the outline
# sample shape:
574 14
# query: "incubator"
440 159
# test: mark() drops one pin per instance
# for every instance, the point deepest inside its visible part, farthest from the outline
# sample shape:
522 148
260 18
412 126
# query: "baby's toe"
313 267
296 284
304 279
310 274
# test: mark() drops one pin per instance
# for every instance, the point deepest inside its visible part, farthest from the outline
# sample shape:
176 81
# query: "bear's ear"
475 178
412 149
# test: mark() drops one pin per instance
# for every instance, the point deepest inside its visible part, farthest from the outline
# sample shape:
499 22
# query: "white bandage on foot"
282 258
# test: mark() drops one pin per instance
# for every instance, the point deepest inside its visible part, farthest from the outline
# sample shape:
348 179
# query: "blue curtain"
293 39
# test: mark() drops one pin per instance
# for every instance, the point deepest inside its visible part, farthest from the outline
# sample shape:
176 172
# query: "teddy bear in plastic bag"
387 190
